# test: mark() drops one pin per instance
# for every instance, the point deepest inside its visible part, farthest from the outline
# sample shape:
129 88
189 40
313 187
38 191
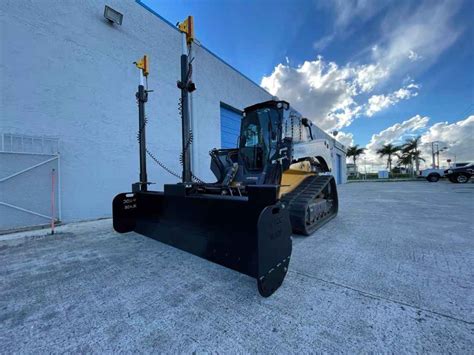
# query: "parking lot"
393 271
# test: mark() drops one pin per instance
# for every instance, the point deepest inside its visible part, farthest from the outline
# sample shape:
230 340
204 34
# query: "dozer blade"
251 234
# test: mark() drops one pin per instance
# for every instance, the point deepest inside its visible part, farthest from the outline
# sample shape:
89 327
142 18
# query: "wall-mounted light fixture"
112 15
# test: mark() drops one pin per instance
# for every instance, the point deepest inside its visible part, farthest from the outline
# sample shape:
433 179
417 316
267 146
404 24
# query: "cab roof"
270 103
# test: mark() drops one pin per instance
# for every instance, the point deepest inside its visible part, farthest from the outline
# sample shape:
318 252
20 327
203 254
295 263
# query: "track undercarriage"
312 203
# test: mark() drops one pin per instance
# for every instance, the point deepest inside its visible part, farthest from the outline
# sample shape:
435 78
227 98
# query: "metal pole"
52 201
185 126
194 147
142 97
142 78
184 43
59 189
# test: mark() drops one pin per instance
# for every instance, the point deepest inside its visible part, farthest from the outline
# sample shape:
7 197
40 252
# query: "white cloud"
458 137
324 91
409 31
413 33
412 36
323 42
367 76
345 12
377 103
345 138
394 134
320 90
413 56
327 93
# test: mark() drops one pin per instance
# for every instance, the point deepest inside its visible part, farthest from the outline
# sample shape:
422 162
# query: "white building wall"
66 72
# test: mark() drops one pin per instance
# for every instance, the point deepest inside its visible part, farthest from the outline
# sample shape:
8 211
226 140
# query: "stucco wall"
66 72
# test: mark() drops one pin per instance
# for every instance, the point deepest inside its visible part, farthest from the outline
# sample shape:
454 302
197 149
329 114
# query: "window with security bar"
19 143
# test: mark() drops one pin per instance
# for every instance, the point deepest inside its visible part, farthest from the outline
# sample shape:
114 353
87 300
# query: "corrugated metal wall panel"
230 127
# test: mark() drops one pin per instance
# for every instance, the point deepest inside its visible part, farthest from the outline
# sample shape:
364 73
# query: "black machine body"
246 229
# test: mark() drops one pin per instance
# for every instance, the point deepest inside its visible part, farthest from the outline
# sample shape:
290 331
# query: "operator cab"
257 159
259 136
260 140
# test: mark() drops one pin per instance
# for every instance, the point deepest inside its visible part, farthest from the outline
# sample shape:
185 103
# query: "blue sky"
370 65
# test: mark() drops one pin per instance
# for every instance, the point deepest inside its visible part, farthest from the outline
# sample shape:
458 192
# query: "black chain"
162 165
139 134
186 147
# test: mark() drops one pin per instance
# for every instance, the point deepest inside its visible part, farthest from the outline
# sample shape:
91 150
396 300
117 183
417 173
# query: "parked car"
432 175
458 165
460 174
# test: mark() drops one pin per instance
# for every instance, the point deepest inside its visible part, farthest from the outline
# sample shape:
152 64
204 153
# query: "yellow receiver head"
187 26
143 64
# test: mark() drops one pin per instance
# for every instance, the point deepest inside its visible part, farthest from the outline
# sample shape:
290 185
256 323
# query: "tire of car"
433 177
453 178
462 178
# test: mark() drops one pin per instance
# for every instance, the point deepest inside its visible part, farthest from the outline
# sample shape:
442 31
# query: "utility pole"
435 153
433 165
438 151
365 169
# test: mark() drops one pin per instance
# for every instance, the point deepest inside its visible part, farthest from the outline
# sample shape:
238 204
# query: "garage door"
230 126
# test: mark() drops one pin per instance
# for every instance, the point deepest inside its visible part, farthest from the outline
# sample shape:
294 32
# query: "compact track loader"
277 148
274 183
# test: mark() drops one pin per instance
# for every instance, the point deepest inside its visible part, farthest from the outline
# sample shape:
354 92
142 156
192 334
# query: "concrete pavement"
392 272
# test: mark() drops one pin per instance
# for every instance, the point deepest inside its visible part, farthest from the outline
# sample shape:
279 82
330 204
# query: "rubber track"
298 199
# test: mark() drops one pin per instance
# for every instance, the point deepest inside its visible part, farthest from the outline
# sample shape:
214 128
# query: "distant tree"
397 170
354 152
388 150
411 148
417 158
405 160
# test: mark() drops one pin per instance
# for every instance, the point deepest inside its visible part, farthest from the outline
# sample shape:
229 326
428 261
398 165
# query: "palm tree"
411 147
388 150
405 160
354 152
417 157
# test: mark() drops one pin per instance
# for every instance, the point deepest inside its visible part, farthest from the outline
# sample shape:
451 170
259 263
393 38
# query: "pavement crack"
374 296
